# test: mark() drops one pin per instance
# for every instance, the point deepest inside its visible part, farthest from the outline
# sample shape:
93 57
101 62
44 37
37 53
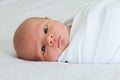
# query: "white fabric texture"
94 36
13 12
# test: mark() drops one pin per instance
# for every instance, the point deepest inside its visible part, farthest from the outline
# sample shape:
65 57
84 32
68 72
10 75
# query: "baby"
41 39
92 38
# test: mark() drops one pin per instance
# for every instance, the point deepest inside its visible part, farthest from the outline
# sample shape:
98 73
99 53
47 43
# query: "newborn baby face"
41 39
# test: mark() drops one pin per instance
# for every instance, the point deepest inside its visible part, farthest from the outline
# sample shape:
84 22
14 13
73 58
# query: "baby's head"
41 39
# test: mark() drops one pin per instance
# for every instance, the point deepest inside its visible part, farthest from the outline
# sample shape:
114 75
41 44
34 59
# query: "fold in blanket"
95 34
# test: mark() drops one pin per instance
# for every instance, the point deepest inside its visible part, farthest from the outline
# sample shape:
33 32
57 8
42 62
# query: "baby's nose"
50 39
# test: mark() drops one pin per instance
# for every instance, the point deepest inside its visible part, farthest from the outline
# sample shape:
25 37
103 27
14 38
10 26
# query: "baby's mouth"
58 42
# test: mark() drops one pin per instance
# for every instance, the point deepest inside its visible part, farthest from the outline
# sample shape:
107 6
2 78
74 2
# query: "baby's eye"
45 29
43 48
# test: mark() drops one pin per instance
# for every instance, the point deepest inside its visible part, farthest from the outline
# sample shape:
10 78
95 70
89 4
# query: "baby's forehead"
35 20
32 24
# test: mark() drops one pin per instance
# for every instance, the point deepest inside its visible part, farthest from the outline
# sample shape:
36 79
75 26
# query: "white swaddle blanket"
95 34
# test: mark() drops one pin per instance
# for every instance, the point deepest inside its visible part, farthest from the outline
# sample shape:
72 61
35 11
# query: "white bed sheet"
12 13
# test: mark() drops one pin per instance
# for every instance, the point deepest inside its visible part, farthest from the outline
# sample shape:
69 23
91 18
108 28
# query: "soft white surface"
12 13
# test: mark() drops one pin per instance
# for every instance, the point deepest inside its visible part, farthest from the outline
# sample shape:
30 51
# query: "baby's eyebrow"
45 23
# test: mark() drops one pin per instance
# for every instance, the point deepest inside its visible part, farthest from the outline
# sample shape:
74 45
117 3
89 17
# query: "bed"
13 12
